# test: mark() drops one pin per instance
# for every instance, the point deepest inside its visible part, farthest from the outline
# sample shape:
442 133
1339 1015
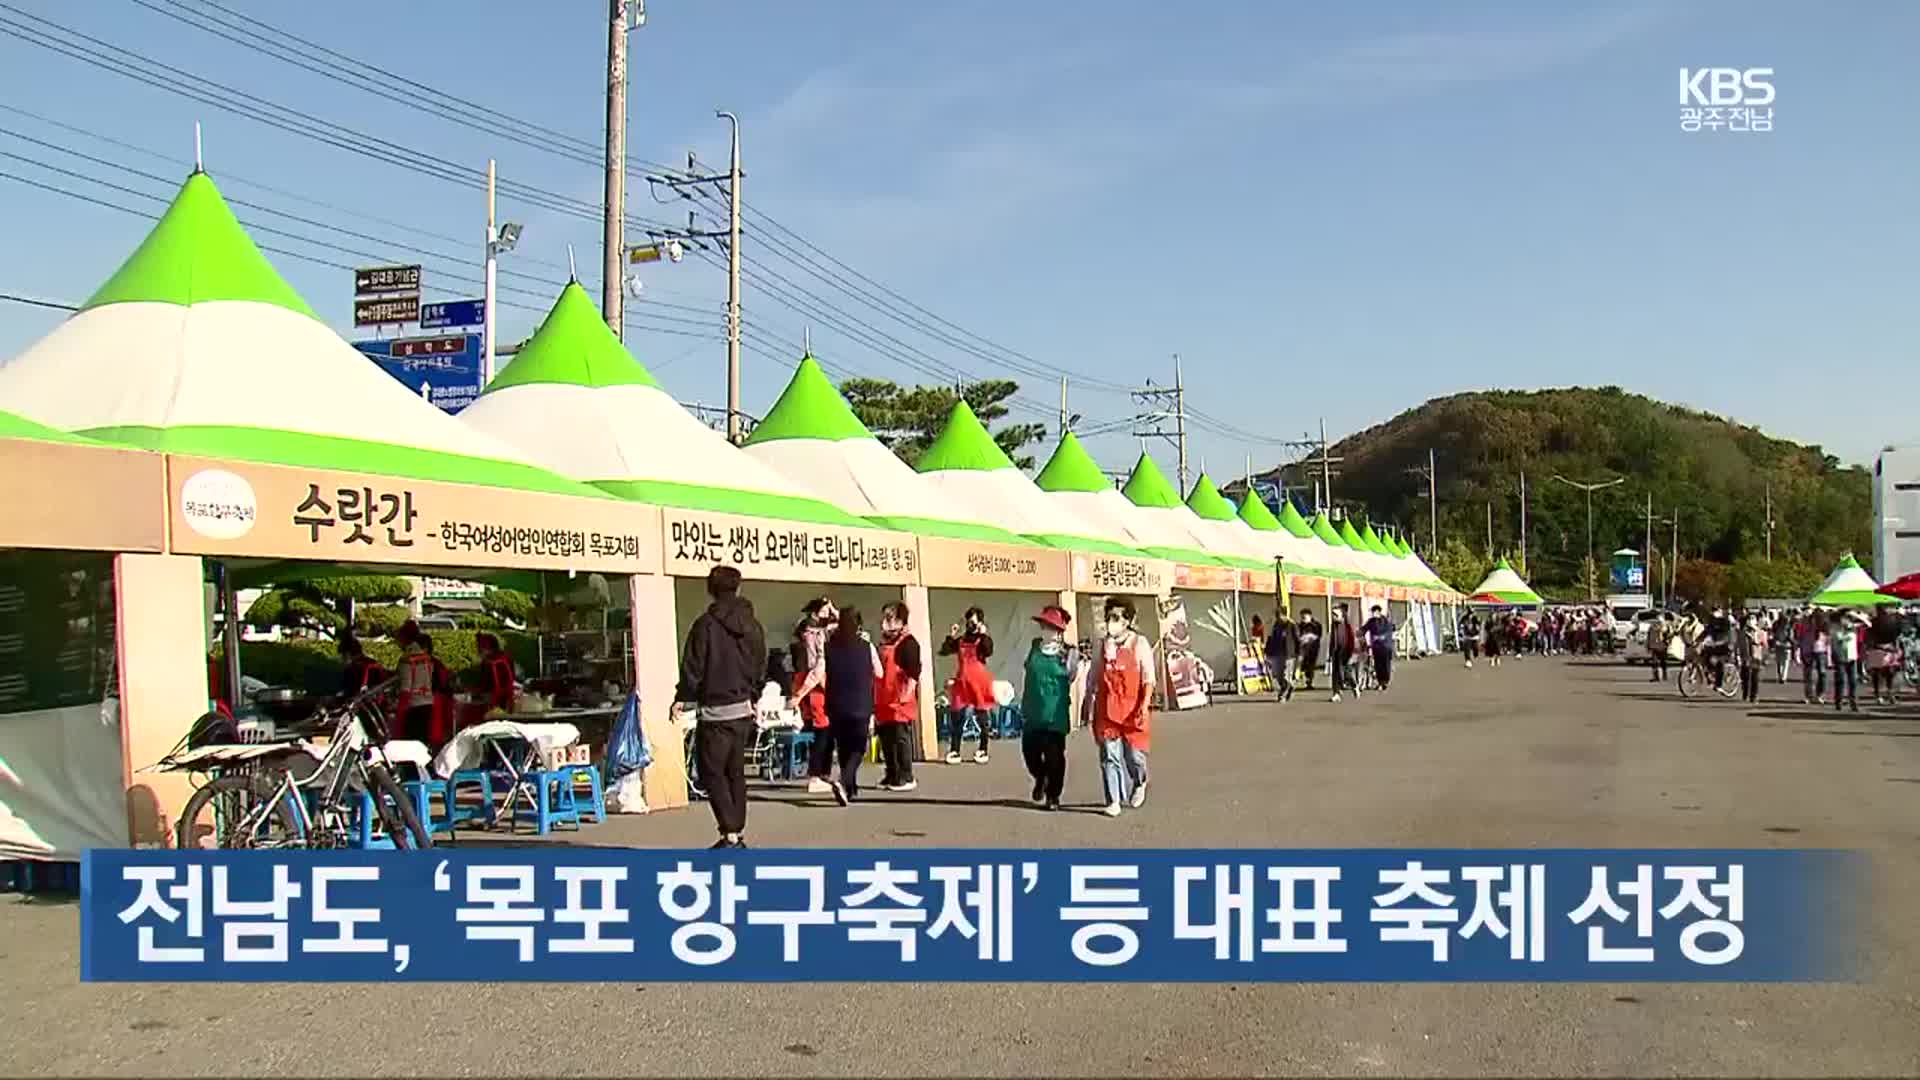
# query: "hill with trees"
1716 473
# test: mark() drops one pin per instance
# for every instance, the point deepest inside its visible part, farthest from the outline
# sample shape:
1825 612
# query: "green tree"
1458 564
1701 581
1756 578
379 620
321 605
508 606
908 419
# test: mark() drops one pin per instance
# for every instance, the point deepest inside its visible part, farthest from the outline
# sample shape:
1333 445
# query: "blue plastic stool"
1007 722
576 775
364 837
553 801
423 792
799 747
483 812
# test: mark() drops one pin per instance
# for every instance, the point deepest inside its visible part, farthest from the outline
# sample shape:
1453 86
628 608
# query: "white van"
1634 640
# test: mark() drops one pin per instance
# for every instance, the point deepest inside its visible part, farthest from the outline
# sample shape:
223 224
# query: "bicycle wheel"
1689 680
231 813
396 810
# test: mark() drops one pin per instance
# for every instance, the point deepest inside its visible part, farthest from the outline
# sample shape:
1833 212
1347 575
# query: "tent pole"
230 636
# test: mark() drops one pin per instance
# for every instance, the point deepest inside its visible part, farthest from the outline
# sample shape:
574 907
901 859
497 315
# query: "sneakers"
839 793
1336 698
1112 810
1039 791
953 757
905 785
1139 795
979 757
818 785
726 843
1053 804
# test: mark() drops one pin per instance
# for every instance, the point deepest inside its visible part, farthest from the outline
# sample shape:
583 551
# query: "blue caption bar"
963 915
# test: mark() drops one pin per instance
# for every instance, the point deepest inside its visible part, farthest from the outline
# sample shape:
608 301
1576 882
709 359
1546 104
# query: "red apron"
972 682
813 706
500 688
1120 686
890 688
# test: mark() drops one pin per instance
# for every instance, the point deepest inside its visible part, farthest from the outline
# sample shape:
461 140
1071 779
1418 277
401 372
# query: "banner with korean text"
963 915
767 549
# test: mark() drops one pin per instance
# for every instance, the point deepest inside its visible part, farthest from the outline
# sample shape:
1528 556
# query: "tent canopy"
197 346
966 462
1850 586
1157 503
578 402
812 438
1073 480
1505 585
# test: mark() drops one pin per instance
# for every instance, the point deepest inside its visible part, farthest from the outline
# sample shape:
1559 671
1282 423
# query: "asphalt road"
1539 753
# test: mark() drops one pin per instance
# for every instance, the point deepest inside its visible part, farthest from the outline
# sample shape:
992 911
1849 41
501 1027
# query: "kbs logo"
1726 99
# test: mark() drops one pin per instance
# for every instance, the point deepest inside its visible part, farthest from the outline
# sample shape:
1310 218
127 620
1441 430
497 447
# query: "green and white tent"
1345 560
197 346
812 438
1849 586
1221 523
1504 586
1300 551
1073 480
1158 505
966 463
15 426
1371 566
578 402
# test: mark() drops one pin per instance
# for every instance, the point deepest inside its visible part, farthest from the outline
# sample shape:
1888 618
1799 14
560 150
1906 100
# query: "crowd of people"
1293 648
1556 631
1844 646
850 688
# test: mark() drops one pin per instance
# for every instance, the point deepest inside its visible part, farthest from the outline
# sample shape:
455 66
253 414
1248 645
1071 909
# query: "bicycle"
279 795
1696 673
1365 679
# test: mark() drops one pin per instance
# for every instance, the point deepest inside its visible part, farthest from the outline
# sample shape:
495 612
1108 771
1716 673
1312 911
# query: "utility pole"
487 303
1172 405
1326 463
1433 498
1590 489
1769 521
613 240
1489 530
1646 553
734 435
1063 406
1524 568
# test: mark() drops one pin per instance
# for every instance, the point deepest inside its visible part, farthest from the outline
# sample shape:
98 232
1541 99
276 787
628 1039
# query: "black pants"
1383 666
1846 675
1882 675
1750 683
1659 661
820 753
850 742
957 726
1309 663
1342 677
722 746
896 750
1046 754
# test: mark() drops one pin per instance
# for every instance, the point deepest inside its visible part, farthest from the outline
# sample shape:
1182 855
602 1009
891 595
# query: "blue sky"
1331 210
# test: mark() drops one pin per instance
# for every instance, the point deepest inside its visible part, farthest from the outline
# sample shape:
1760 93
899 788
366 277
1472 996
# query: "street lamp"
1590 489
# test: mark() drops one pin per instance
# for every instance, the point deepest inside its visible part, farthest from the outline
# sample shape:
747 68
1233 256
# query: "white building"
1896 512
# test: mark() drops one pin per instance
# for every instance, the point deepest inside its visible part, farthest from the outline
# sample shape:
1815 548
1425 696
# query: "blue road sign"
444 369
452 313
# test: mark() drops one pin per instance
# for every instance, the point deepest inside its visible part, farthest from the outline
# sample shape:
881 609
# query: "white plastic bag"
627 796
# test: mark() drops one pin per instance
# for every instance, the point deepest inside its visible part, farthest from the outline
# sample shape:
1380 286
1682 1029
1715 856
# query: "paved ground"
1542 752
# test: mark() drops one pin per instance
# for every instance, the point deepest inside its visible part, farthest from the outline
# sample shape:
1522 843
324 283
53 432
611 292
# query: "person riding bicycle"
1715 643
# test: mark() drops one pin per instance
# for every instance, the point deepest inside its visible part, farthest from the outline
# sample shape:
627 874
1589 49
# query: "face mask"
891 630
1116 627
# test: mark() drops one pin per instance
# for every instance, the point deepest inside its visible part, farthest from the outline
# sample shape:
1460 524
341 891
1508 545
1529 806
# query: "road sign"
381 310
369 280
453 313
445 370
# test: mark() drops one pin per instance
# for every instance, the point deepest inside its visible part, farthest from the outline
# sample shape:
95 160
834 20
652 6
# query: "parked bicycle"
292 794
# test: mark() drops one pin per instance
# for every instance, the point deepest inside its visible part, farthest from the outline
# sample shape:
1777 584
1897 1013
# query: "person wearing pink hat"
1046 705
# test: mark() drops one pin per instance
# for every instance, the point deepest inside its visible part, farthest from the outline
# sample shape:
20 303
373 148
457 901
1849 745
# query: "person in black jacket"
722 669
853 666
1283 651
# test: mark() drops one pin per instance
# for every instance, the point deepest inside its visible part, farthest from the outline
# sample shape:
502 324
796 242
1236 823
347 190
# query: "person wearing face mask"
1119 705
896 698
810 689
972 695
1046 703
1340 648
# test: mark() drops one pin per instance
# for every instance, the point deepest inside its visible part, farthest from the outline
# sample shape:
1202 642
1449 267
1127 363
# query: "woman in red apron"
810 689
413 711
971 694
1120 708
896 698
496 670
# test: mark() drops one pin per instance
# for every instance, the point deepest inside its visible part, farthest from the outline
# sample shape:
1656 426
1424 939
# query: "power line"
32 301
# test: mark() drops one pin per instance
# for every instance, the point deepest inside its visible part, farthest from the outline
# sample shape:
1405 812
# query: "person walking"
1046 705
1845 647
1883 653
1379 635
1749 652
1814 650
1470 635
1308 633
853 671
1119 705
1657 648
972 694
896 698
1282 649
1781 638
1492 638
809 654
721 669
1340 649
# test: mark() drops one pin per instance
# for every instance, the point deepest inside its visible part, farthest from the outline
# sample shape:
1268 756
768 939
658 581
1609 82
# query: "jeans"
1846 675
1282 668
1121 768
1383 666
957 726
896 752
1813 676
1046 754
850 740
722 749
1782 660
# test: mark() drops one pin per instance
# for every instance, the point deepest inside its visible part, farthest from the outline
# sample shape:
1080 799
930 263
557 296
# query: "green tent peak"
198 253
1372 540
1205 499
1848 560
1349 536
1071 468
1147 486
1255 513
575 347
1291 520
1399 546
1324 529
809 408
964 444
1503 564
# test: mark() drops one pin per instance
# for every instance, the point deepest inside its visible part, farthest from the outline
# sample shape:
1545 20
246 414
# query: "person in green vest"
1046 705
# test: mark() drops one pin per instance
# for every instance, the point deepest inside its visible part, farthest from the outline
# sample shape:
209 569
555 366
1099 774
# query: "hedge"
314 664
